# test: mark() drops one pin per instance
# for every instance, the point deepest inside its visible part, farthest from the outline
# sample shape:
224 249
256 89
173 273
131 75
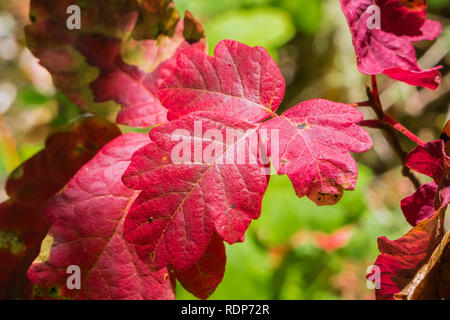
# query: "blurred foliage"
296 250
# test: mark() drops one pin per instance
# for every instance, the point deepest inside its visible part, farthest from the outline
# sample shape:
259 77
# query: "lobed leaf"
432 281
239 82
30 186
203 277
87 221
401 259
315 138
389 49
184 202
431 160
420 205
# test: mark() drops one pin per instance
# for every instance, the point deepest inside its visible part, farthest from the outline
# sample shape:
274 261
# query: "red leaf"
173 219
389 49
432 281
400 260
87 220
315 138
239 82
429 159
244 83
200 186
420 205
30 186
103 57
202 278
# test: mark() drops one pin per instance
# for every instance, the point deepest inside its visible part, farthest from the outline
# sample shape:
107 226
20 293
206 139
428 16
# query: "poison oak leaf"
102 62
216 186
315 138
87 221
425 275
202 278
432 281
401 259
420 205
30 186
431 160
388 48
245 83
239 82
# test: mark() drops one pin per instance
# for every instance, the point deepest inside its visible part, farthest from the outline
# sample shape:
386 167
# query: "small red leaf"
315 138
420 205
87 219
429 159
388 48
202 278
432 160
239 82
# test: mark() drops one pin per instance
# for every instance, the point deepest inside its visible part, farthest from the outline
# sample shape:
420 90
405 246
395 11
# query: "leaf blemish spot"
302 126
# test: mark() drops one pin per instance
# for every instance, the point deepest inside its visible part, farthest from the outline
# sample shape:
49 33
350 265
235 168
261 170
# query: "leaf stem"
389 126
361 104
399 127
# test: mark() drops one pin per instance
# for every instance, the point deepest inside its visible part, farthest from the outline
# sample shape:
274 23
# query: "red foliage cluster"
134 219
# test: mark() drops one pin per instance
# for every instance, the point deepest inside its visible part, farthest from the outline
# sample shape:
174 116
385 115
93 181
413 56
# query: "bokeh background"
296 250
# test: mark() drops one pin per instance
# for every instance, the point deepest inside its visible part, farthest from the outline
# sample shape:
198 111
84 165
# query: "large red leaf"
188 197
401 259
30 186
389 49
102 62
87 220
239 81
183 202
315 138
203 277
244 83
